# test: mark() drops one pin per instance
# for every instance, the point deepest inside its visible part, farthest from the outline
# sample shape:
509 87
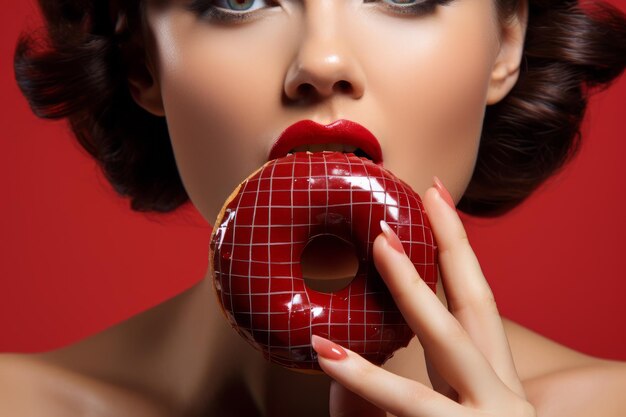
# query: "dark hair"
535 129
80 74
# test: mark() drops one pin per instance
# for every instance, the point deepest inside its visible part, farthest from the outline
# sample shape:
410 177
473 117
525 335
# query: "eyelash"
417 9
208 10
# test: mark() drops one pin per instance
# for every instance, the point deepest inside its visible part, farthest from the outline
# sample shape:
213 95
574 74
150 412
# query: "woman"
485 95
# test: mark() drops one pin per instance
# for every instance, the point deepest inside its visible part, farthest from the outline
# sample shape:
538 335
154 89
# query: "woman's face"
418 78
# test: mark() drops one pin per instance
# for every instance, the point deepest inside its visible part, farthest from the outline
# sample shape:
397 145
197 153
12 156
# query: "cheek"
216 107
432 96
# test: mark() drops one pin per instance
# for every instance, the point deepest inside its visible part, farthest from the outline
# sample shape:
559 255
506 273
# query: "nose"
324 64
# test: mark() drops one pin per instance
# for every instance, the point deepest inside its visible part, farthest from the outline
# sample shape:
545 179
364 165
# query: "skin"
227 91
326 44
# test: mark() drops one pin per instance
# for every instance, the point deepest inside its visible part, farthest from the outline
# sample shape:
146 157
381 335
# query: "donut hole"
328 263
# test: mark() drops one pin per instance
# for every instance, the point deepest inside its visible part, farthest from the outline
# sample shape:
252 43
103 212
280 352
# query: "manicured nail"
392 238
443 192
327 349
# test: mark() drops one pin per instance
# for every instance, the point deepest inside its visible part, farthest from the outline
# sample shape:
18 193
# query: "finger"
438 382
397 395
345 403
469 296
450 349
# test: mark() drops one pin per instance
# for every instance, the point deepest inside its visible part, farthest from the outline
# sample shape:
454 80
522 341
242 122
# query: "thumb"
345 403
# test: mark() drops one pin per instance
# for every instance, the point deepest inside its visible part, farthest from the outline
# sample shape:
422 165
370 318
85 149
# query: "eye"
239 5
228 10
411 7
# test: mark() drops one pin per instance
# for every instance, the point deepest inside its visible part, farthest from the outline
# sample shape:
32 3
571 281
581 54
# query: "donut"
261 232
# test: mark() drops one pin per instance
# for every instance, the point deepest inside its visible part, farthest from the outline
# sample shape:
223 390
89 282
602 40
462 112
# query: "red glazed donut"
262 230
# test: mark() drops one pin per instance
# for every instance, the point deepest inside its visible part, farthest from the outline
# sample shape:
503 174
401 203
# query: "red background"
75 260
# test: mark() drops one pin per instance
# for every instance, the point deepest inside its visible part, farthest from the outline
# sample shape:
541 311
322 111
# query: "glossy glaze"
258 241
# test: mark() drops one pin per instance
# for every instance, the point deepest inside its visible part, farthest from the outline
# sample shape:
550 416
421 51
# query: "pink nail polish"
392 238
443 192
327 349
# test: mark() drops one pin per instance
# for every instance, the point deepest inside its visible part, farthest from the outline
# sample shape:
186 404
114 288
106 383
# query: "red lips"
307 132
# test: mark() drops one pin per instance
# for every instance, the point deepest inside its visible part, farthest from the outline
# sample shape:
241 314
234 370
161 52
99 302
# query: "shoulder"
560 381
594 390
30 386
536 355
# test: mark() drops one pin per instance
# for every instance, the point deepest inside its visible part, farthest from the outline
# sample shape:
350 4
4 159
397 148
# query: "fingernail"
327 349
443 192
391 237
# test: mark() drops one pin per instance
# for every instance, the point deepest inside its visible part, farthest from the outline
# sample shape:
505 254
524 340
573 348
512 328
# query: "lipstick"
308 132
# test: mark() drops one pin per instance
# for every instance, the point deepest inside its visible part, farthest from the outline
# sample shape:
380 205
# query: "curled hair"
80 74
535 129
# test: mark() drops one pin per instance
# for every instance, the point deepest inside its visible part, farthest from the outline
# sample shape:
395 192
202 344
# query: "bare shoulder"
536 355
30 386
596 390
560 381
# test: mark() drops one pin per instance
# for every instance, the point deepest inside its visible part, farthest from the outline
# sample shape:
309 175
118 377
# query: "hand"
469 361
